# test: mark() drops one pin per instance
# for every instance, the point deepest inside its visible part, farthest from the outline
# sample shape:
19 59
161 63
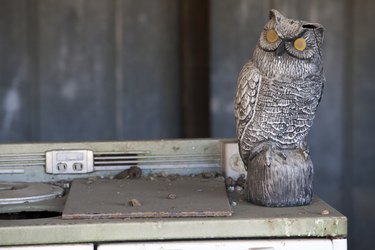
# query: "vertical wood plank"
195 67
14 100
33 66
326 137
235 27
150 98
362 124
119 74
76 70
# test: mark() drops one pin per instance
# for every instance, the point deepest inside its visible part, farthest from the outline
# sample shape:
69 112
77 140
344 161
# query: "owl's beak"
281 49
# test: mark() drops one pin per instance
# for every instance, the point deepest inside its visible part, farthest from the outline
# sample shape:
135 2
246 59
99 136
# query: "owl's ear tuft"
318 30
315 26
275 14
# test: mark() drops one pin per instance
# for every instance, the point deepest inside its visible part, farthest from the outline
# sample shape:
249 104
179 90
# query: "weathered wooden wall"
137 69
15 88
89 70
359 175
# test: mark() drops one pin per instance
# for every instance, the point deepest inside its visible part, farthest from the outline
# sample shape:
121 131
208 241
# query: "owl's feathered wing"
249 82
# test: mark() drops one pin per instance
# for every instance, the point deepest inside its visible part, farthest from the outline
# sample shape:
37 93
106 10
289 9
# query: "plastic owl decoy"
278 92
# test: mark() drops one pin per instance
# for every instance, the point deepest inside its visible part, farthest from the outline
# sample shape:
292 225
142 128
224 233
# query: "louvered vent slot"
16 163
119 160
112 160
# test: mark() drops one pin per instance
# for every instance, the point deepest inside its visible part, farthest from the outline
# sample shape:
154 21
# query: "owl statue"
278 92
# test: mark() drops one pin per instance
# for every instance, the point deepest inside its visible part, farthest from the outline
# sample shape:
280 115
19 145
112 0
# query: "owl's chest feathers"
289 82
288 98
286 103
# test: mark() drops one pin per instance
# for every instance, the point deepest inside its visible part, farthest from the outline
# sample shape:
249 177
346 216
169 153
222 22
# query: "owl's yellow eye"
300 44
272 36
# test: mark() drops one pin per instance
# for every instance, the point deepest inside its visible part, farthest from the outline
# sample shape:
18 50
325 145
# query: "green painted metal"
247 221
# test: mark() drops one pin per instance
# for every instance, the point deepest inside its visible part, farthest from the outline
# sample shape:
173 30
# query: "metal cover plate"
160 197
23 192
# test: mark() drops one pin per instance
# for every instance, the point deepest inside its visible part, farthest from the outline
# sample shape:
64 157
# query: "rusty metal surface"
147 198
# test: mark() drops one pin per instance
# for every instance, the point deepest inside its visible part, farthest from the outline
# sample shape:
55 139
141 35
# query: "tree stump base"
286 182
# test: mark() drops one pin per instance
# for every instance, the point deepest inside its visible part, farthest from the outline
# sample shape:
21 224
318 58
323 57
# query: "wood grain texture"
195 68
14 72
286 182
326 139
361 171
235 30
150 97
76 80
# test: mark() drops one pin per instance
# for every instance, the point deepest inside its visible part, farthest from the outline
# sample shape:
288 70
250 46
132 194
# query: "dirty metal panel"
147 198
